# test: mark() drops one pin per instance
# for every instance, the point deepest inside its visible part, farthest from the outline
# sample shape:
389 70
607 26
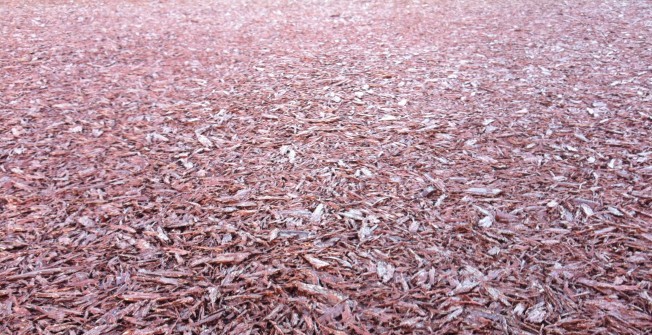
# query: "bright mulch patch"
325 167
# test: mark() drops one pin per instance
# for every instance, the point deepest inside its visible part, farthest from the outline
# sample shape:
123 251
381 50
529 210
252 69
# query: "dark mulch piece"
312 167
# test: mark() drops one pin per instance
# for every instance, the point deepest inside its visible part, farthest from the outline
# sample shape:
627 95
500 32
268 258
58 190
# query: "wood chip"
228 258
487 192
316 262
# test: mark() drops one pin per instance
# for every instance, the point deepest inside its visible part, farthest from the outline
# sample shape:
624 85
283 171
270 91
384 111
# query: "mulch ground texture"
326 167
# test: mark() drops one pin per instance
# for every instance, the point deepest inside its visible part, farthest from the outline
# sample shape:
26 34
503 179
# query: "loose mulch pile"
326 167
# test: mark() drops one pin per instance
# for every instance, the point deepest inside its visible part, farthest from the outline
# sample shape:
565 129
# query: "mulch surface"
325 167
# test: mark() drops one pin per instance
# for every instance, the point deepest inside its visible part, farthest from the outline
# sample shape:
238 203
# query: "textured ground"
326 167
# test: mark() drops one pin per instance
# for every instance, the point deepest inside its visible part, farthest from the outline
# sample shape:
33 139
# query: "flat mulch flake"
325 167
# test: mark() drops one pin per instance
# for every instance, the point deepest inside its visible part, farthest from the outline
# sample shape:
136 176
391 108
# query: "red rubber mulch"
325 167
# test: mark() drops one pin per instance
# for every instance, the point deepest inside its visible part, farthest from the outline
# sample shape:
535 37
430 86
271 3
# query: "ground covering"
325 167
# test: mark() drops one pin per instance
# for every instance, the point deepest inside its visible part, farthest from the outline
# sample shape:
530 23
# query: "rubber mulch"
325 167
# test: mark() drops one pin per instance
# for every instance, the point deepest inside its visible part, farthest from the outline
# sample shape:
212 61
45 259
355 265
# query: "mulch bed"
325 167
